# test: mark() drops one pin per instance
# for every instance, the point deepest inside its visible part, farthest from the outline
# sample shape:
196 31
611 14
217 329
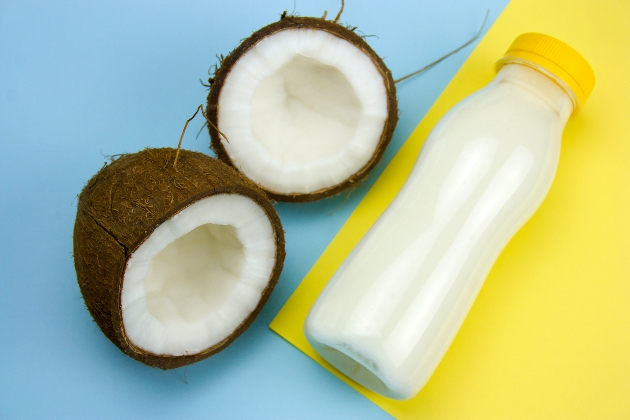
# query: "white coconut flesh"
198 276
303 110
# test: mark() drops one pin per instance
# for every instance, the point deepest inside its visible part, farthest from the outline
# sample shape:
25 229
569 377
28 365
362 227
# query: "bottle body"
391 311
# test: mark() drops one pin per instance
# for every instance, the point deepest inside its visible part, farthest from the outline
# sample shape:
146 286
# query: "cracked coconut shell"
124 204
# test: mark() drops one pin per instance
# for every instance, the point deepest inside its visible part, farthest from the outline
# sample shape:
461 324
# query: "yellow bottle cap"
556 57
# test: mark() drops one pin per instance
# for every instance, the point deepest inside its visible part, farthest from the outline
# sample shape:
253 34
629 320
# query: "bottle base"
355 366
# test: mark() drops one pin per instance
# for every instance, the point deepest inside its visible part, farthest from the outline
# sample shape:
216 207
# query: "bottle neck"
543 84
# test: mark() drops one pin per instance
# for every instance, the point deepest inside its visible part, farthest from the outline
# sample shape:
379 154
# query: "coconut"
175 261
308 108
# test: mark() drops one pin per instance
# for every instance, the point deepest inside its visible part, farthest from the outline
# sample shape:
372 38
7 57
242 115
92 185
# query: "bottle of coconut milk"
392 309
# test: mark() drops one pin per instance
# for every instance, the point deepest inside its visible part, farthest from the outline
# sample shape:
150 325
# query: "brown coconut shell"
123 204
295 22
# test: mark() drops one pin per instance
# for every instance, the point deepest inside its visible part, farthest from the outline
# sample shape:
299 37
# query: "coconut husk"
123 204
295 22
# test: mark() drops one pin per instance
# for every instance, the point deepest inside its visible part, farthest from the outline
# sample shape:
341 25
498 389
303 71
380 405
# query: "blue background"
80 81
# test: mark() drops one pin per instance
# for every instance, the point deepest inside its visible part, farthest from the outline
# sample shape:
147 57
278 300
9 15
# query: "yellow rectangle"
549 334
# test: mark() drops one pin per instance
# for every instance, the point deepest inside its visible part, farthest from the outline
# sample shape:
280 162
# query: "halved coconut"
307 106
174 264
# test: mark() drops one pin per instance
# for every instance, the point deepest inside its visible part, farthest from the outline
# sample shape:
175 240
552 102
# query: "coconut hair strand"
444 57
179 145
340 12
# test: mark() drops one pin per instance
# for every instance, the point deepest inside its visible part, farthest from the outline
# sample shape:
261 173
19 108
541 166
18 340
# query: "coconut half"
174 264
307 106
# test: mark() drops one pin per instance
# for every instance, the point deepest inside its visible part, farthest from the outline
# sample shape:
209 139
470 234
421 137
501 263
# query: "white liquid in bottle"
393 308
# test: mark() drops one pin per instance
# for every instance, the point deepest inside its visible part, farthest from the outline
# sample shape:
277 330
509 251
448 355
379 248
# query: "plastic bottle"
391 311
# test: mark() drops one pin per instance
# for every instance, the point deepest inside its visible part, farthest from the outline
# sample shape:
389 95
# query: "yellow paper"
549 334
